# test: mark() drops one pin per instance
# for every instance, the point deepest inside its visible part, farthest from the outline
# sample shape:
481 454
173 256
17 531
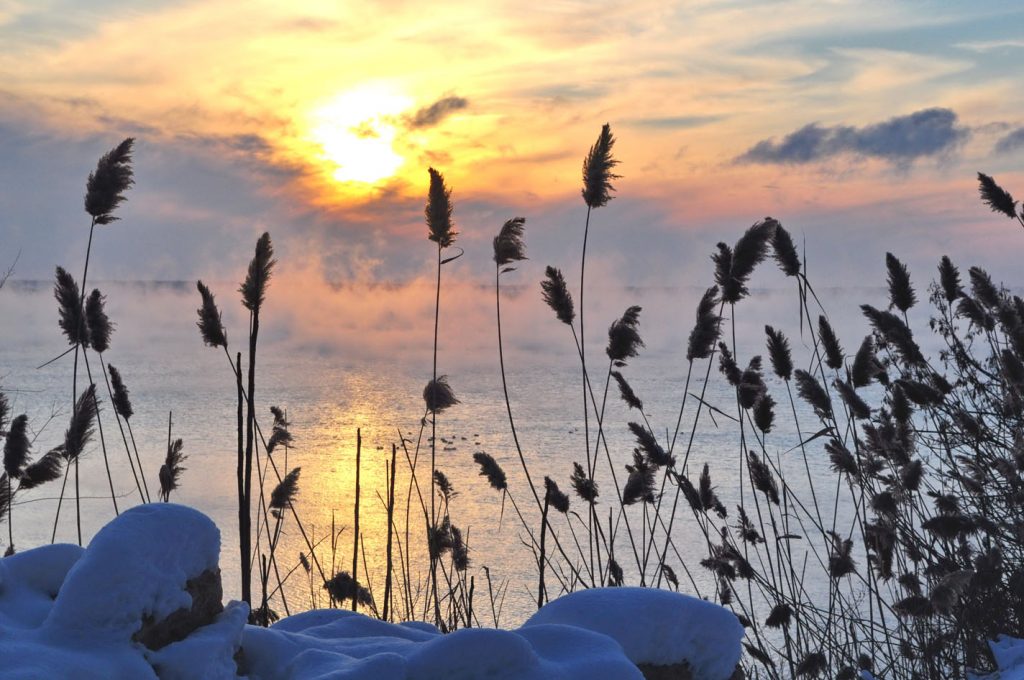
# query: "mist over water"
330 384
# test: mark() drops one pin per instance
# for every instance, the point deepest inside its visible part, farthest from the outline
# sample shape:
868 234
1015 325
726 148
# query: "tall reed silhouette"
597 192
105 189
250 437
18 465
437 395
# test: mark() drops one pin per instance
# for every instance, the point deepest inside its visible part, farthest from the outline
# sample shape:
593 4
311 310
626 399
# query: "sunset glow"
355 132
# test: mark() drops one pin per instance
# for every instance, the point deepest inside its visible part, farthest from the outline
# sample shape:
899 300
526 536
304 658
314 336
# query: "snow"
211 648
65 612
135 566
29 583
1009 657
655 626
341 644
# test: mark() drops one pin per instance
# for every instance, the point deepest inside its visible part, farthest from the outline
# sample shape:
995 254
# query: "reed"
438 396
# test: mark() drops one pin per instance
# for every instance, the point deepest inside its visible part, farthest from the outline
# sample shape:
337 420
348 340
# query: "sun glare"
356 133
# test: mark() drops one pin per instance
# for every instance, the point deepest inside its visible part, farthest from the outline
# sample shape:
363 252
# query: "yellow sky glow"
355 132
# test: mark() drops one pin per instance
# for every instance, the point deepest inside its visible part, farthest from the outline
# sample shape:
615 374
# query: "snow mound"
65 612
1008 653
29 582
135 567
340 645
655 627
210 648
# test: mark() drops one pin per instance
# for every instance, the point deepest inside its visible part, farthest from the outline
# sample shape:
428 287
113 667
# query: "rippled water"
329 395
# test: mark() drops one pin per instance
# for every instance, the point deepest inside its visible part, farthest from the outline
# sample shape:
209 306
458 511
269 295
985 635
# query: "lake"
373 383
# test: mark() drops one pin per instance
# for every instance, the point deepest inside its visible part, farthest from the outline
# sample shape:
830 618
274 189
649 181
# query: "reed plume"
438 395
949 279
779 353
705 331
555 496
490 469
983 289
727 365
460 550
785 252
16 447
640 482
895 332
508 244
284 493
211 327
444 486
170 471
780 616
626 392
751 385
438 211
343 587
623 338
280 435
841 458
5 496
997 198
597 170
749 251
764 413
439 538
840 560
811 391
761 477
69 305
901 293
16 452
556 295
615 576
865 365
812 665
583 485
648 444
858 407
46 469
970 309
254 288
97 321
706 493
81 428
106 185
829 341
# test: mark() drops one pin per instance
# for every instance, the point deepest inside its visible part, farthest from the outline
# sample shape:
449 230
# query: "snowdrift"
144 601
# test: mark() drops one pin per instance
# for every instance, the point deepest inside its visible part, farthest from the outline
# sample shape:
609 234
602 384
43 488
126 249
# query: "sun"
355 132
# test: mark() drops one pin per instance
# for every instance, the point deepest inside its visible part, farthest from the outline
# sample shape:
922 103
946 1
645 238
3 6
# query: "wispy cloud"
990 45
925 133
1013 141
672 122
428 116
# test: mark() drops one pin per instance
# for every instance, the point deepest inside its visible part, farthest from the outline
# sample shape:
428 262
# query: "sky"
859 125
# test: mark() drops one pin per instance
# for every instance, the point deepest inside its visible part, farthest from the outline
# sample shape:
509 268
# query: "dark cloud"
1011 142
901 139
431 115
672 122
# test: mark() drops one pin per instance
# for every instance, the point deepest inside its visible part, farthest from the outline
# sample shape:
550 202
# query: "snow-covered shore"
143 601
